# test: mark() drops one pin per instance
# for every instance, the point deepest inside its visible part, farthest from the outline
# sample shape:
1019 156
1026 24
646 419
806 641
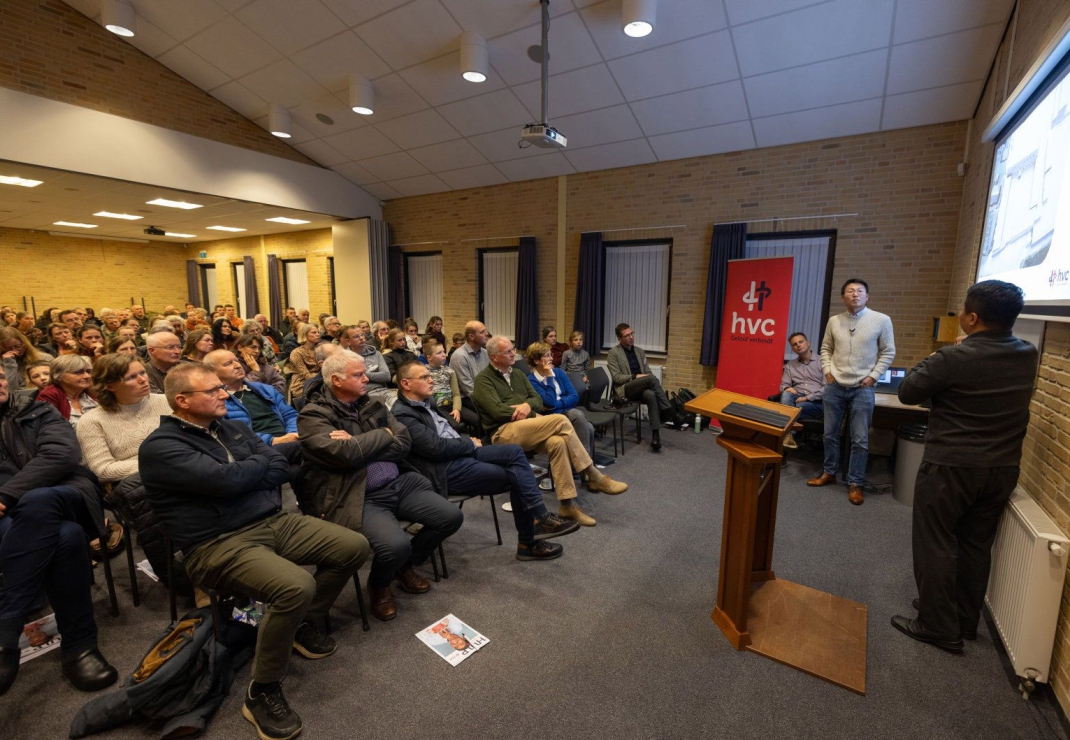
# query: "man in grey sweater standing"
858 347
979 391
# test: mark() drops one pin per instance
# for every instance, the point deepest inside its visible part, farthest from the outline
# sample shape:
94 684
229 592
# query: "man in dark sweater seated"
214 484
979 393
457 464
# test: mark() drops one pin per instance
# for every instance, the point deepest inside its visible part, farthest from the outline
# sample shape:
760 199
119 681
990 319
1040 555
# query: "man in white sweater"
858 347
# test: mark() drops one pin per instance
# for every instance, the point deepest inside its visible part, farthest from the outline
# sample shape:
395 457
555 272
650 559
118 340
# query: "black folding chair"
599 383
599 419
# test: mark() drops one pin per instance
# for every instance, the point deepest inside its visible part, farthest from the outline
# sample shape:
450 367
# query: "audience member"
303 315
322 352
258 368
458 341
575 359
8 317
232 316
633 380
557 349
412 337
137 311
352 447
46 520
46 319
253 329
507 406
223 334
558 394
375 368
332 327
445 391
380 330
216 490
257 405
68 388
290 342
61 340
38 374
123 346
70 319
178 326
434 330
111 321
858 347
802 383
199 342
25 322
270 333
471 358
289 322
396 351
17 353
90 342
164 353
303 363
365 327
462 465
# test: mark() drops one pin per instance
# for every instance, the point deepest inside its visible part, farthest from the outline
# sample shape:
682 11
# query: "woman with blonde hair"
16 354
303 363
68 389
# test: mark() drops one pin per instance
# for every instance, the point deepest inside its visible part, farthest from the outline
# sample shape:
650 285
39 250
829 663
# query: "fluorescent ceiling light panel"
284 220
24 182
180 236
174 204
74 224
123 216
224 228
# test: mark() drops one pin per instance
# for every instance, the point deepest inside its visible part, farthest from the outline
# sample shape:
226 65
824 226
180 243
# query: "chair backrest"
522 365
598 380
580 384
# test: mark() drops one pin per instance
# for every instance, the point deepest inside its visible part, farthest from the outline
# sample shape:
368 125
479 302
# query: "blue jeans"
808 409
494 469
839 401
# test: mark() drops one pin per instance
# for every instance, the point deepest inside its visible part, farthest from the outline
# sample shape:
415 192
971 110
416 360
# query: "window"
810 280
423 294
295 283
637 293
498 270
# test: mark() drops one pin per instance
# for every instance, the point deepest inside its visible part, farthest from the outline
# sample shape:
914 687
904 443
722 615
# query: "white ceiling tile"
418 129
675 21
473 177
814 34
697 62
919 19
610 156
491 18
180 20
856 77
284 83
187 64
449 155
151 39
571 47
439 80
382 191
355 173
353 12
393 166
937 105
729 137
745 11
502 145
331 106
235 95
233 48
393 98
361 143
290 26
573 92
945 60
706 106
533 168
322 152
331 62
421 185
821 123
412 34
233 5
491 112
598 127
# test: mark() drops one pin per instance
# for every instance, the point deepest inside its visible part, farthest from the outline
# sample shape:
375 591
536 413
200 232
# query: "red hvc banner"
756 304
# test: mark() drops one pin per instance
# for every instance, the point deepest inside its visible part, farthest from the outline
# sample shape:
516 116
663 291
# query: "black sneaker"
271 715
539 550
552 525
312 643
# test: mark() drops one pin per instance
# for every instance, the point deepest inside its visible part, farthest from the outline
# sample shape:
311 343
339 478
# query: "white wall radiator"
1025 586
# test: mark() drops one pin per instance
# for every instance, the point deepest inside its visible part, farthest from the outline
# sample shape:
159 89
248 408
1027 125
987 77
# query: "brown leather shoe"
411 582
855 495
570 510
607 485
822 480
382 602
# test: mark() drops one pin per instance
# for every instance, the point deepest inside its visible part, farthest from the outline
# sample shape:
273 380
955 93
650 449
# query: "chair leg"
360 602
130 565
217 617
494 513
442 557
110 581
171 593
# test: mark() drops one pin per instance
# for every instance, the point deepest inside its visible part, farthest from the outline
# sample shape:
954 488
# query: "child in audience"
445 390
412 337
575 359
458 340
38 373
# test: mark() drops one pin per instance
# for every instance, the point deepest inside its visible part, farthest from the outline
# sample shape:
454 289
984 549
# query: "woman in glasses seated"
68 388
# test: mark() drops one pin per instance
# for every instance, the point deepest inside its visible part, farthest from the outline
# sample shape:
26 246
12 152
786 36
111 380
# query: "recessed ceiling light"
123 216
284 220
118 17
224 228
74 224
180 236
637 17
475 59
174 204
24 182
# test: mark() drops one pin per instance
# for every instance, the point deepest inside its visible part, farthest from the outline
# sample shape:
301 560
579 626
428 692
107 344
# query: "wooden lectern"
815 632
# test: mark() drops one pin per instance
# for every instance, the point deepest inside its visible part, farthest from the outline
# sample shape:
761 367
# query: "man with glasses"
858 347
633 380
508 408
215 488
165 351
461 465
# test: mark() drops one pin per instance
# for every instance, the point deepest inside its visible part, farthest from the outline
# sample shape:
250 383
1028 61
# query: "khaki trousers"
555 436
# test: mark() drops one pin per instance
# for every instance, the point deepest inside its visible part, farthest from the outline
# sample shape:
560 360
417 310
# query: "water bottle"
698 424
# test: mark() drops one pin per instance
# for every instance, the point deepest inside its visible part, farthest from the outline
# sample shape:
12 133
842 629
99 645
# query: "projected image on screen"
1027 235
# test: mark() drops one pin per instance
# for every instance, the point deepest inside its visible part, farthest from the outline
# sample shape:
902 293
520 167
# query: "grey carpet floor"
613 640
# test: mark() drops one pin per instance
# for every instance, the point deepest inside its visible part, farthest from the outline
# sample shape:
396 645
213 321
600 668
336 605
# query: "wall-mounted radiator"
1026 585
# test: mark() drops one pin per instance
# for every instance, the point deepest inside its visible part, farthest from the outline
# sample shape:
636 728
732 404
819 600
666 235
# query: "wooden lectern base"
816 632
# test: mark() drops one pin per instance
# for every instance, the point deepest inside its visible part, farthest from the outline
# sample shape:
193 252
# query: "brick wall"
902 184
50 50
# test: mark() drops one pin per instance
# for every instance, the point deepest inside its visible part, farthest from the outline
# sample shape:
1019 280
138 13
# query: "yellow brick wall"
50 50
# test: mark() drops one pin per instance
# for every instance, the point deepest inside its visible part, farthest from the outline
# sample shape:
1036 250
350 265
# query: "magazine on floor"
38 637
452 639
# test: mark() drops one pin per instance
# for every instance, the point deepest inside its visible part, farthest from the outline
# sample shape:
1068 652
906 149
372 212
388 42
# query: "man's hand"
343 434
476 442
641 375
522 411
829 378
790 390
868 382
3 510
291 437
456 414
800 399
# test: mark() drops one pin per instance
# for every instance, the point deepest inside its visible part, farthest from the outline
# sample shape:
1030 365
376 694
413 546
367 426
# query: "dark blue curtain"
527 297
590 293
252 296
395 276
274 292
193 283
729 243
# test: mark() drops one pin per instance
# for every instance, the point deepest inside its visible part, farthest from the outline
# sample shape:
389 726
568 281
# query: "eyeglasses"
79 372
508 352
209 391
424 378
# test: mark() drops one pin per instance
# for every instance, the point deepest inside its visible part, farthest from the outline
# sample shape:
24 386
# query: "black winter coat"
430 454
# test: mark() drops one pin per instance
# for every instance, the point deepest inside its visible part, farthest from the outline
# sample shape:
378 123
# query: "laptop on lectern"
889 382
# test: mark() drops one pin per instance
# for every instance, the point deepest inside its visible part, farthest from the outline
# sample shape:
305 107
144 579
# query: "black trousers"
956 514
648 390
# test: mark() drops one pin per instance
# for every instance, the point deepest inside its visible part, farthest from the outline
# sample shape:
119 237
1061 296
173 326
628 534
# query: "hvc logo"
756 296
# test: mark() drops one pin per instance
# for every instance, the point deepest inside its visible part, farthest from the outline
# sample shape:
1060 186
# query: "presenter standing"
979 392
857 349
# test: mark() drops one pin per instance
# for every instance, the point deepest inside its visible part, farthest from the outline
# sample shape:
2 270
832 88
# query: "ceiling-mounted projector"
543 136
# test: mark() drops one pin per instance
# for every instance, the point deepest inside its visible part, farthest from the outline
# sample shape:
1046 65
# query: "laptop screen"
889 382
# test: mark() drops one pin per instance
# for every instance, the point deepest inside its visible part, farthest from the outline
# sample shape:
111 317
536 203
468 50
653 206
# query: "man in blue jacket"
215 487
